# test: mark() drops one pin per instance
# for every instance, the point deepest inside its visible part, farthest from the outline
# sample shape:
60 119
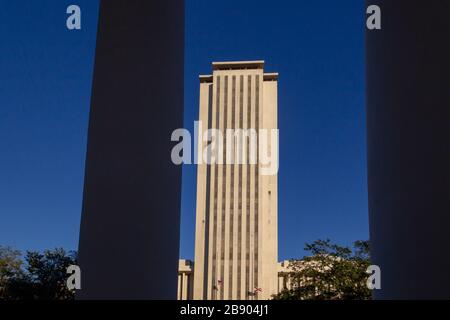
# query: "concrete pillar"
185 286
280 283
179 287
129 235
408 129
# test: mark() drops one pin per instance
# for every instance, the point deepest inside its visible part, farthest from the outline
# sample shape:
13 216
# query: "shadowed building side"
408 132
129 237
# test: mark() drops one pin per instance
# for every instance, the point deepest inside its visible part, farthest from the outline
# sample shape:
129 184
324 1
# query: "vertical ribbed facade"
236 227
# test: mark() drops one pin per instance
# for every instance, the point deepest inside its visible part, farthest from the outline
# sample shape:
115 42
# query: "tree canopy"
41 276
329 272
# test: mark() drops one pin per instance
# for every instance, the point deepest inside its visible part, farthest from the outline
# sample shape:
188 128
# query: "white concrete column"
280 283
184 287
179 287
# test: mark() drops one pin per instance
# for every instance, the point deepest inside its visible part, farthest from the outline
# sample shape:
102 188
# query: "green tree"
10 267
330 272
44 277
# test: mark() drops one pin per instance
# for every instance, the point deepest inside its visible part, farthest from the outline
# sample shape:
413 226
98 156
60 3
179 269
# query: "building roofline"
206 78
238 65
230 65
272 76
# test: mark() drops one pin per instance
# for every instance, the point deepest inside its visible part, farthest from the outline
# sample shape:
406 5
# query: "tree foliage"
42 276
330 272
10 267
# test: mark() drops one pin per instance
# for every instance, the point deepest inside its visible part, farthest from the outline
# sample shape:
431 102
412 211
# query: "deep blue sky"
316 46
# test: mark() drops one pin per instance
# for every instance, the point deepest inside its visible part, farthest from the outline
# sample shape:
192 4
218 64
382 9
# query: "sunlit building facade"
236 241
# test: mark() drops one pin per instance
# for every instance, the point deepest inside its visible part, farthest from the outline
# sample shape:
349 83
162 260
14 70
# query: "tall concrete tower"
129 233
408 129
236 220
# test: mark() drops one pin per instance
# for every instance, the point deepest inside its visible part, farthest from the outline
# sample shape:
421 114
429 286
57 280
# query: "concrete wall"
129 235
408 134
